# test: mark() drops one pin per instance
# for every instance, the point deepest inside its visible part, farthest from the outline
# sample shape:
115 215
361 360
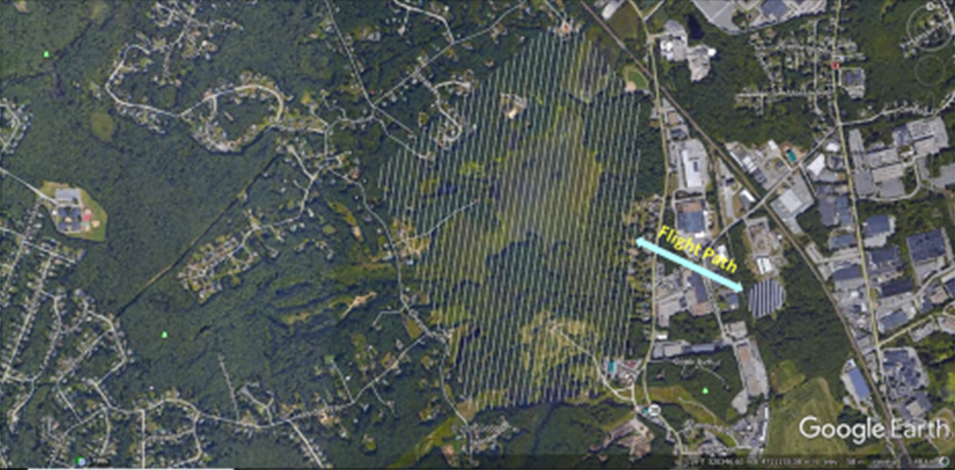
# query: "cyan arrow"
735 286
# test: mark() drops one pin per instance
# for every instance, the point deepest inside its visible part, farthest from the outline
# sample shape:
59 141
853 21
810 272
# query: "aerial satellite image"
594 234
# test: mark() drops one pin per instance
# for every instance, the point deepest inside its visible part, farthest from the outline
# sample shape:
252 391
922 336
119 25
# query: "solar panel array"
766 297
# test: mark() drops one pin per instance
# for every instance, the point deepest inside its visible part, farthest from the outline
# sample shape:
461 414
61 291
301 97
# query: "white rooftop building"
928 136
610 8
693 165
748 196
765 265
817 165
790 201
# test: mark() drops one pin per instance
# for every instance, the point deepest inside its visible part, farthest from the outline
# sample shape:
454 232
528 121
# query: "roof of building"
839 242
891 322
699 290
858 382
902 366
926 245
885 256
691 222
896 287
70 219
775 8
856 144
610 8
673 27
891 188
896 356
732 300
842 206
884 155
693 156
901 135
888 173
67 194
817 165
69 211
834 210
836 162
864 183
852 77
877 225
950 286
701 348
927 127
924 404
790 201
847 273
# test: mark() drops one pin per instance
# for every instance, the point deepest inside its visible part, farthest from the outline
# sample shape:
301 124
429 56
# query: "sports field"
634 76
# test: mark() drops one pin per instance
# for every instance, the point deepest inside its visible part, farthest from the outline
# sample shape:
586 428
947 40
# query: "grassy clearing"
946 444
811 398
414 331
678 395
625 22
435 438
102 125
786 377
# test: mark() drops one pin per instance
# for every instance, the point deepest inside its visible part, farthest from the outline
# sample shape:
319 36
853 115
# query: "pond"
693 26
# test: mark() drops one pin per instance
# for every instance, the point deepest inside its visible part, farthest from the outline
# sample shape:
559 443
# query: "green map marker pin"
706 391
165 335
46 54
